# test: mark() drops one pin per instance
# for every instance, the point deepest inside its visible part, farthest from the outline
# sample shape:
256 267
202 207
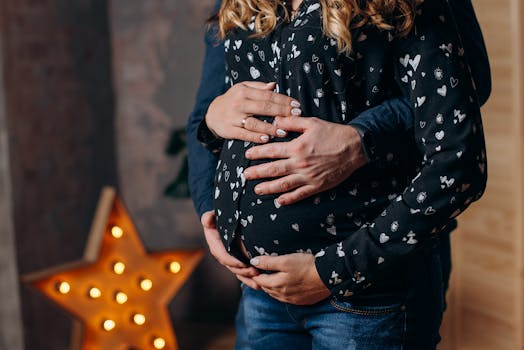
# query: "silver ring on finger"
244 120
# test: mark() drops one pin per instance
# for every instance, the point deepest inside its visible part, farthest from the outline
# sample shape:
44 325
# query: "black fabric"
386 210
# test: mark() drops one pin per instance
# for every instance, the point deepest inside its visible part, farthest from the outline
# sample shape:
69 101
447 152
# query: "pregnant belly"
267 228
306 226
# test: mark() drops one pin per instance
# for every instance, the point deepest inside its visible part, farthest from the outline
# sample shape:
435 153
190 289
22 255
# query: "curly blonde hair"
339 17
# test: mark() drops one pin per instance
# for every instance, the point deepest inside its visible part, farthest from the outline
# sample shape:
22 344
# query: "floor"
198 336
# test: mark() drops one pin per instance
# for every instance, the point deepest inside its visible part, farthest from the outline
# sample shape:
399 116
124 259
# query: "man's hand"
243 272
295 280
321 158
226 113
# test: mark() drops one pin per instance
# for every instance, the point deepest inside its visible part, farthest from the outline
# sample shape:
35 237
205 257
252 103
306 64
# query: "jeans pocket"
369 309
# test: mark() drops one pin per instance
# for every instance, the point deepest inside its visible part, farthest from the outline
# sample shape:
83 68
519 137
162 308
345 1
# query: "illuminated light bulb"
119 267
63 287
117 232
94 293
120 298
139 319
174 267
146 284
108 325
159 343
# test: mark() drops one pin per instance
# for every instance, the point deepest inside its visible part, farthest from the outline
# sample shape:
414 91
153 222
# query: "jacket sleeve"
430 70
394 118
474 45
202 163
390 121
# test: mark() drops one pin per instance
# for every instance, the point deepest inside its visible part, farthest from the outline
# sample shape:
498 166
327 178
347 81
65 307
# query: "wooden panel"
487 242
486 297
518 17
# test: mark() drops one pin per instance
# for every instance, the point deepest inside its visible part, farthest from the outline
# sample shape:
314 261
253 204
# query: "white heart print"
443 91
255 73
415 62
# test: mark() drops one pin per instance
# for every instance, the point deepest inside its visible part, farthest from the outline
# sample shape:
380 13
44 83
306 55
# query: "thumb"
259 85
208 219
269 263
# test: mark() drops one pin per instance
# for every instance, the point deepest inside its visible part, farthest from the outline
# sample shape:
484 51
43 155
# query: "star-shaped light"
118 292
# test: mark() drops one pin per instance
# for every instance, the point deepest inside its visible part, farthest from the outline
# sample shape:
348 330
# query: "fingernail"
281 132
295 103
270 83
264 138
254 261
248 153
246 175
296 111
258 190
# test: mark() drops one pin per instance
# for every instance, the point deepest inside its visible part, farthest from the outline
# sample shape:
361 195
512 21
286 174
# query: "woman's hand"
229 115
321 158
243 272
295 279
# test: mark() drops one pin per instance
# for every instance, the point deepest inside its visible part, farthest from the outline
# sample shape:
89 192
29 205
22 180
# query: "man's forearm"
202 163
453 174
383 125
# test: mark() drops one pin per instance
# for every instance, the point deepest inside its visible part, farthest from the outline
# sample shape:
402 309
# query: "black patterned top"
387 209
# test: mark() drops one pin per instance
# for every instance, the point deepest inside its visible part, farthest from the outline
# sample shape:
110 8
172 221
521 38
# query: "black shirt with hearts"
386 210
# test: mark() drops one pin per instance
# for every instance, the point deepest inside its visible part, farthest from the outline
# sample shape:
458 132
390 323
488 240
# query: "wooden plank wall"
518 11
486 298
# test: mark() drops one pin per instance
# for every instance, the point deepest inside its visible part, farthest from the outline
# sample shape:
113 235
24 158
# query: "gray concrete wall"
157 50
10 313
93 89
157 55
59 103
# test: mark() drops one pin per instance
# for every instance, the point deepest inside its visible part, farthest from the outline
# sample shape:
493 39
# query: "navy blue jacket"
384 122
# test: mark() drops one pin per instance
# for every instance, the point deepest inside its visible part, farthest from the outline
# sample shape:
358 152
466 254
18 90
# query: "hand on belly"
323 156
294 280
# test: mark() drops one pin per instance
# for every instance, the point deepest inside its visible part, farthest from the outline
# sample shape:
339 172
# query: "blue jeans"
408 318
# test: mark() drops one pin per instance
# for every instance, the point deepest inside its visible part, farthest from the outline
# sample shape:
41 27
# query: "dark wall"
158 49
157 55
59 106
93 89
10 315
